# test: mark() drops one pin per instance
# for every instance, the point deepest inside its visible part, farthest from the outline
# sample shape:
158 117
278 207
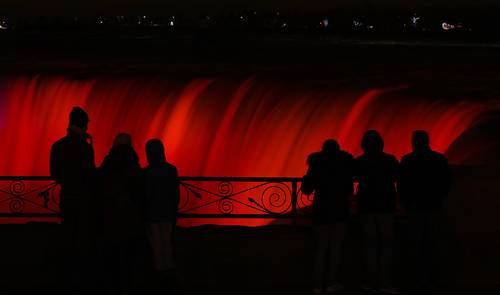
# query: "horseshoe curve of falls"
223 126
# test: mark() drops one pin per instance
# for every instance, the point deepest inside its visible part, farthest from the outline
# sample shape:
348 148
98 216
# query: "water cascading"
222 126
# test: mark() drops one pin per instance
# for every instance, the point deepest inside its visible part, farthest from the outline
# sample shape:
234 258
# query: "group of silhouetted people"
108 210
419 183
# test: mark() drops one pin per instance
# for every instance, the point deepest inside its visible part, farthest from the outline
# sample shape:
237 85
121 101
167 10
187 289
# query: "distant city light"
411 22
414 21
357 23
449 27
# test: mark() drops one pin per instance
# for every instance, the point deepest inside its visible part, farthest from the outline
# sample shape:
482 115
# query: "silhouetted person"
330 176
120 222
72 166
161 201
425 183
377 173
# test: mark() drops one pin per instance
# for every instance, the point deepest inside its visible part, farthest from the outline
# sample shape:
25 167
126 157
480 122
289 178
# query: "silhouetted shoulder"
347 155
439 156
391 157
406 158
172 169
164 169
59 142
313 158
362 158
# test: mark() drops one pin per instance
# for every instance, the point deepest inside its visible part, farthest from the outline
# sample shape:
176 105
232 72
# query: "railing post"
294 202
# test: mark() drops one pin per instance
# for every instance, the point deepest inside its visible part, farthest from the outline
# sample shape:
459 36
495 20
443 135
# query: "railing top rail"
25 178
242 178
183 178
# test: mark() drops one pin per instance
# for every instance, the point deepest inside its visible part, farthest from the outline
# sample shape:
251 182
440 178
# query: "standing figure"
377 173
72 166
120 224
425 183
161 200
330 176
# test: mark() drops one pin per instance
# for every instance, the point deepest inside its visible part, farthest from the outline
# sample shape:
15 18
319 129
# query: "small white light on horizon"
357 23
446 26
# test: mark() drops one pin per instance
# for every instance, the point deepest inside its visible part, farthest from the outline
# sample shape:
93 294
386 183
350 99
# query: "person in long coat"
120 223
161 200
330 177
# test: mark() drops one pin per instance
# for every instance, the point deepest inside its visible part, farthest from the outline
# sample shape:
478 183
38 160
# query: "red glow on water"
220 127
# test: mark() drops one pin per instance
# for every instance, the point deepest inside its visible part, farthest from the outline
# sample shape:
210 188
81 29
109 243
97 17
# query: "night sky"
63 7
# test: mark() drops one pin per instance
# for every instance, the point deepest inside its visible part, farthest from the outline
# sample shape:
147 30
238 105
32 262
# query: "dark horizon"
29 8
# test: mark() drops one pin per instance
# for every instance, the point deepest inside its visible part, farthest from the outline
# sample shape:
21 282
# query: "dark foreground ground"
276 259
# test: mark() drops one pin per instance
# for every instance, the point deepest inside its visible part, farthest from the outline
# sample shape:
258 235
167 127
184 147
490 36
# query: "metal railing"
201 197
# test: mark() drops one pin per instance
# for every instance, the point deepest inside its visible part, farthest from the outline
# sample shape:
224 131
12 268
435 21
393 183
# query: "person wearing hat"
72 166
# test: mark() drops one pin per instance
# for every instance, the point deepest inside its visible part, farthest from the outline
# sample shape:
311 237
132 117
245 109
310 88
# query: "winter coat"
425 181
377 174
72 165
161 192
118 201
330 175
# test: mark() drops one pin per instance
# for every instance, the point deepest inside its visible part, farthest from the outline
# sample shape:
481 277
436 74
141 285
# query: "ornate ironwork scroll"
207 197
28 197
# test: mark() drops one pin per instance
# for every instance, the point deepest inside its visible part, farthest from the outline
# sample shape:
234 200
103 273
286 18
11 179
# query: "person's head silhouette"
155 151
122 139
372 142
79 118
420 140
330 146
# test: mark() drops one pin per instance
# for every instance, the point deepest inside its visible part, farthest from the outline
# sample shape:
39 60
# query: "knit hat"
78 117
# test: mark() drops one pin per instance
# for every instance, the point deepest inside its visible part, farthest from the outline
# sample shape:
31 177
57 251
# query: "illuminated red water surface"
222 126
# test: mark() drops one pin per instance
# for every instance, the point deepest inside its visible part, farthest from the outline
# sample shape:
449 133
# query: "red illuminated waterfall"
219 126
227 126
